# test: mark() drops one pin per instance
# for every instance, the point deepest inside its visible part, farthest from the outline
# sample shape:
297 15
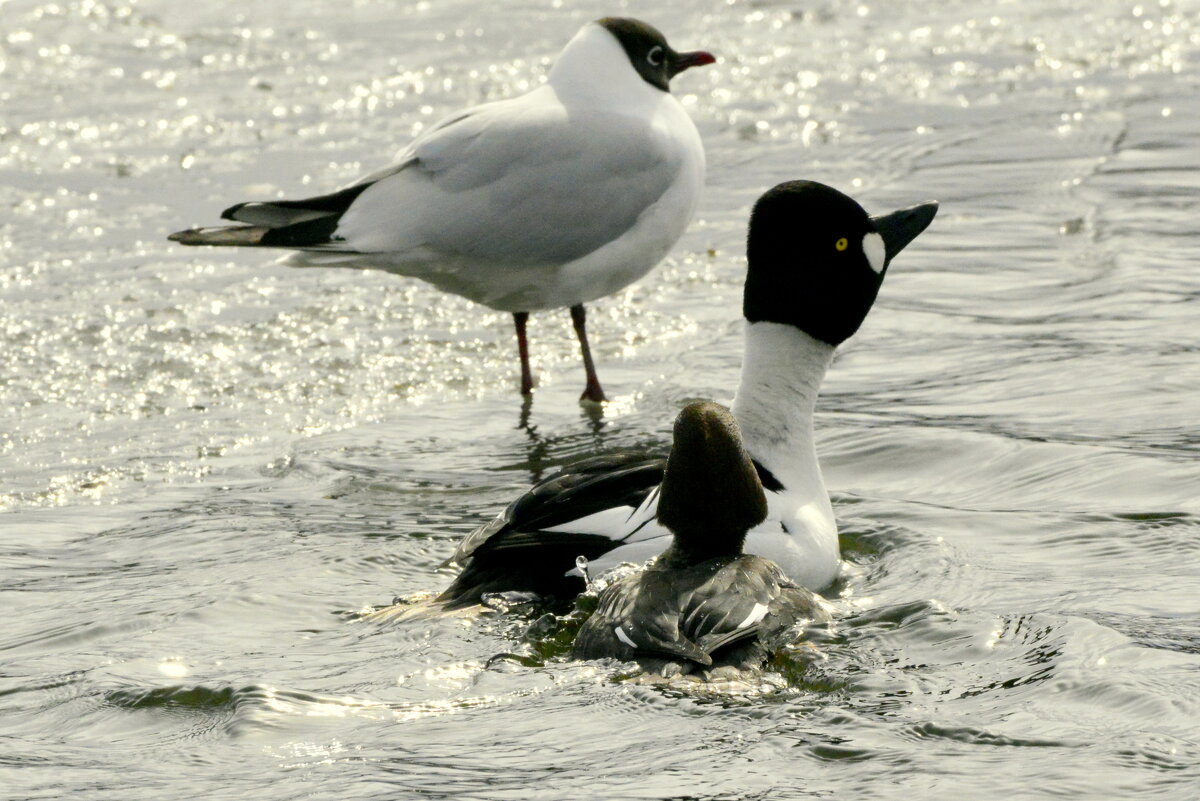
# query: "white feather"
756 614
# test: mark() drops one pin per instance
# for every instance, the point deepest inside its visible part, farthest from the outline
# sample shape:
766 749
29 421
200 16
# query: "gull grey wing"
308 223
517 184
279 213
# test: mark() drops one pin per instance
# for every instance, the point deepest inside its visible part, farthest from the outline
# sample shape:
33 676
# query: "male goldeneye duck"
702 605
816 260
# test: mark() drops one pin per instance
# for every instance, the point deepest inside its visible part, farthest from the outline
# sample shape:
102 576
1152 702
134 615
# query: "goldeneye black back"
817 259
703 605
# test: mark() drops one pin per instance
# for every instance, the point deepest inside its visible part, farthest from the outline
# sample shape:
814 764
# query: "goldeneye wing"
590 508
618 481
533 543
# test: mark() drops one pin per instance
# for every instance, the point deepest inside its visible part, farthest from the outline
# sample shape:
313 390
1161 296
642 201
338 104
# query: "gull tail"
236 235
308 224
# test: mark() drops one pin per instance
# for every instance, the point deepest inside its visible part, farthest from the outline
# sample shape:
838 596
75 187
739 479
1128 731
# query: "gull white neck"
782 370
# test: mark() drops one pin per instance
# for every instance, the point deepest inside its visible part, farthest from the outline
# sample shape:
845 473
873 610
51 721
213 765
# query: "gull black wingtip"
903 226
231 212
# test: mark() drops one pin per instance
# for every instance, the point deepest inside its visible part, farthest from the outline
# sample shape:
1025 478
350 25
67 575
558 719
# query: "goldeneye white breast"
816 261
703 607
551 199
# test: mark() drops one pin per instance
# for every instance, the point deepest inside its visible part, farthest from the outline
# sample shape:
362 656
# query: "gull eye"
655 56
841 244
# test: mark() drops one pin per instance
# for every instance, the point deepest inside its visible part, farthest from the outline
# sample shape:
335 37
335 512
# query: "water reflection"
214 464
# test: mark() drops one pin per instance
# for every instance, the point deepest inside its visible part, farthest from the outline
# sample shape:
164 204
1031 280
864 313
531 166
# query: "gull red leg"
519 320
592 391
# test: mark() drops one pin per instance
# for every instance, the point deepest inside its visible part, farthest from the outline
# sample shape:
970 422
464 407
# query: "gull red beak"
696 58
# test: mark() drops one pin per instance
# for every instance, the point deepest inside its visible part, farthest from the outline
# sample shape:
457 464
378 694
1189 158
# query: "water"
210 466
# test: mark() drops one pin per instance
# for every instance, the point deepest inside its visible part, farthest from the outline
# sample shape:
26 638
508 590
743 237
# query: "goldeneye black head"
817 259
710 494
649 52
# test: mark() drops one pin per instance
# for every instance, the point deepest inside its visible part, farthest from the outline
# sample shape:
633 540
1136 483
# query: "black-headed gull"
816 262
552 199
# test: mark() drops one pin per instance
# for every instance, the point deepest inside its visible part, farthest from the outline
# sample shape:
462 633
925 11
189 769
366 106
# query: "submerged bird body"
555 198
703 604
816 262
732 611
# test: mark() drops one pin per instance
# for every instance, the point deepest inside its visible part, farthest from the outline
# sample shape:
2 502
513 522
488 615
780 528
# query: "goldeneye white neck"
594 67
782 370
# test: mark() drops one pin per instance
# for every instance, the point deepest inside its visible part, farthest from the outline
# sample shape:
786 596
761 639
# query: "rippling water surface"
211 466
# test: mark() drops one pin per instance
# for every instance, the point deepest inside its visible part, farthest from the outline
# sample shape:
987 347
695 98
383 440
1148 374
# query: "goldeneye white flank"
816 260
552 199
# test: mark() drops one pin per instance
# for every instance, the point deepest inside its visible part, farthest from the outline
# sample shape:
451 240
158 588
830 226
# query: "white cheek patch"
874 250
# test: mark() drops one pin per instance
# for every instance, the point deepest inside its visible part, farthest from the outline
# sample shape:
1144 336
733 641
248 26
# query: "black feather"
298 224
535 561
303 234
514 552
334 203
588 486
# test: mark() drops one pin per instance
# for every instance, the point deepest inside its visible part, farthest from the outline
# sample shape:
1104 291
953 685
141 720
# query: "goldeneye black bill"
901 227
695 58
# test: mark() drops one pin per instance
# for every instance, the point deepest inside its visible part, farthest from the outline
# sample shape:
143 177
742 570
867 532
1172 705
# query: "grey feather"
517 188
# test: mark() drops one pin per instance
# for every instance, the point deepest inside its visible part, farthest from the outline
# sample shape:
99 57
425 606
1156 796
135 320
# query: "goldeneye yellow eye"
842 244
